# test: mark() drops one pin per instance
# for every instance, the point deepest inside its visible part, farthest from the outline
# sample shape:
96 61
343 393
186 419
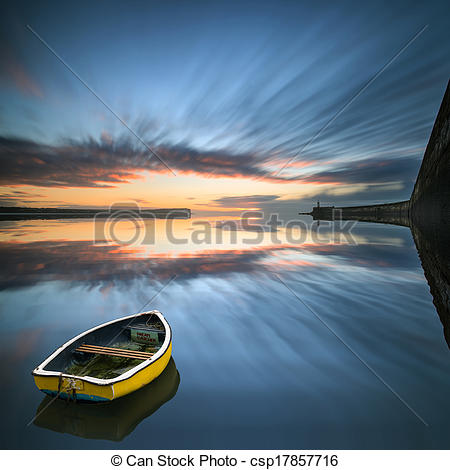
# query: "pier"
426 213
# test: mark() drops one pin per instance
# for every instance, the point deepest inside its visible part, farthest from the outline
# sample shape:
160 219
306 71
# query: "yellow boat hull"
84 390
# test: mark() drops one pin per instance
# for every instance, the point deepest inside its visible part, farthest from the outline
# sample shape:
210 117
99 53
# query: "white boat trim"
40 369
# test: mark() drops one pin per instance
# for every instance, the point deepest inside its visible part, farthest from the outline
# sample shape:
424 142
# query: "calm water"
253 366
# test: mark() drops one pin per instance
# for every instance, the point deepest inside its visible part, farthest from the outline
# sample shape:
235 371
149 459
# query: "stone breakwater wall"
391 213
430 200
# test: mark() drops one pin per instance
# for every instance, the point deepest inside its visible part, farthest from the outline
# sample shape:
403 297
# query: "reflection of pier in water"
433 246
112 421
427 213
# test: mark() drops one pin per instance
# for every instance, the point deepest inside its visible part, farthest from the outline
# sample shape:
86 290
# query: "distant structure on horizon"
22 213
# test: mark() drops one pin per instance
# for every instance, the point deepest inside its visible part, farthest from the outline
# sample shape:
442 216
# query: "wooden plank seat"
92 349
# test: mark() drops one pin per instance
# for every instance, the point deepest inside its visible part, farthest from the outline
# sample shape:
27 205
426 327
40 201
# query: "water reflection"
111 421
41 252
432 241
241 339
433 246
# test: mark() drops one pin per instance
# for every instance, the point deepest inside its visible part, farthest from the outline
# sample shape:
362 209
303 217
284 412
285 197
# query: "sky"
247 105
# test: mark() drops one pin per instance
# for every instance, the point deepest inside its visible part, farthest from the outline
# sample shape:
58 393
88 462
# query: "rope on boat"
50 402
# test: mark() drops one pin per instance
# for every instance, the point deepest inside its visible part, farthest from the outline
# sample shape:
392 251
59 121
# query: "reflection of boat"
108 361
114 420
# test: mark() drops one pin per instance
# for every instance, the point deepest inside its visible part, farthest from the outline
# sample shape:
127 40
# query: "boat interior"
112 350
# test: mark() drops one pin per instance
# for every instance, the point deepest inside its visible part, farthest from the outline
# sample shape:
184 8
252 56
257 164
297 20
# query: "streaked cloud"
376 170
14 73
222 103
243 201
107 162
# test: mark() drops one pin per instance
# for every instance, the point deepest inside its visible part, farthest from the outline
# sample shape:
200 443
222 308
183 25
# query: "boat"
108 361
111 421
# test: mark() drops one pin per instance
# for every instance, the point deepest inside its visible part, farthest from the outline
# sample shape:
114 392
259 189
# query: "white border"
247 459
40 371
